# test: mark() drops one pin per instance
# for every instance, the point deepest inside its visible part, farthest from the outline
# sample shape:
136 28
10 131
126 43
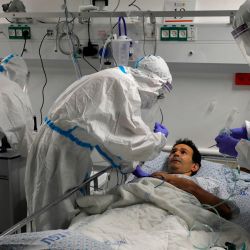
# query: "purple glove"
239 133
226 144
160 128
138 172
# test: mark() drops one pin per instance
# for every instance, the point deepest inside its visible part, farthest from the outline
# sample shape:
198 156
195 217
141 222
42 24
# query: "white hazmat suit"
16 115
241 33
101 111
243 149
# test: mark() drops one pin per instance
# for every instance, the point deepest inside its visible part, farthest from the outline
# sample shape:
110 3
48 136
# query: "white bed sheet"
218 179
140 216
54 239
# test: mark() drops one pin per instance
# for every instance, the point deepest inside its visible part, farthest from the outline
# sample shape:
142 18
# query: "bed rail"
28 220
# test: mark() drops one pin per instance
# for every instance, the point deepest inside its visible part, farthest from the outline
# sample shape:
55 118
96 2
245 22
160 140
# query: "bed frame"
26 224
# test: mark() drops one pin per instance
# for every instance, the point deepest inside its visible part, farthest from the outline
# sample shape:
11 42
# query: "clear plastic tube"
214 235
109 39
72 53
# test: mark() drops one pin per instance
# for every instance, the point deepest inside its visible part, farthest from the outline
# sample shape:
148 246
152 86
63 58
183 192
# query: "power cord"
136 6
91 49
9 20
25 35
46 80
24 47
89 63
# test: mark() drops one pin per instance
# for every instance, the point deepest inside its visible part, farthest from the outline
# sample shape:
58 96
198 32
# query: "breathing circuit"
215 234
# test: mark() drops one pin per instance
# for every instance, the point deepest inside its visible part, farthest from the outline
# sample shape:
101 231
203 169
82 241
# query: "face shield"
154 79
241 32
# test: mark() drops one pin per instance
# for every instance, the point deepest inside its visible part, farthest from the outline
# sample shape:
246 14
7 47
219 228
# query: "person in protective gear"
16 115
241 29
239 145
100 111
236 143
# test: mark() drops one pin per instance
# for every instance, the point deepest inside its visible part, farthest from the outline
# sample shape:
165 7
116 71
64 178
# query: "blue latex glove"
226 144
239 133
160 128
138 172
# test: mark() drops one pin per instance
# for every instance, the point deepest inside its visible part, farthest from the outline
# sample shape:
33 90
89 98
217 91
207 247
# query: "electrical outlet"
50 34
20 31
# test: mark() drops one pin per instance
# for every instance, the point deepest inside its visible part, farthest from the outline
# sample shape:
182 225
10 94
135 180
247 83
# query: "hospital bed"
97 227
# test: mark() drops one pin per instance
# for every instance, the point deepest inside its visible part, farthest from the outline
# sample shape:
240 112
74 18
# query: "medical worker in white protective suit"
101 111
236 143
16 115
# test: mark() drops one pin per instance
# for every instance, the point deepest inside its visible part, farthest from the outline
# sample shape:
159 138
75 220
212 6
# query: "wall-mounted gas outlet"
178 33
20 31
50 34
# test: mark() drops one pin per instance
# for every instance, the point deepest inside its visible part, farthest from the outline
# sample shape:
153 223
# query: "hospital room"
125 124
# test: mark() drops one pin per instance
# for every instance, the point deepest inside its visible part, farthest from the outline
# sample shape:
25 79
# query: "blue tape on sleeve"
7 59
122 68
67 134
99 150
2 69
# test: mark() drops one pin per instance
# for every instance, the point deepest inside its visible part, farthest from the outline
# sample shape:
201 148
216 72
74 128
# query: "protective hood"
15 68
153 77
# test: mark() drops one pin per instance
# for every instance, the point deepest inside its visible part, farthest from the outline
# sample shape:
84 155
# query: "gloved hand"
160 128
138 172
239 133
226 144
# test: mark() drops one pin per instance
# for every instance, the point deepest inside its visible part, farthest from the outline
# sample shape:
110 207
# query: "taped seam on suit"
67 134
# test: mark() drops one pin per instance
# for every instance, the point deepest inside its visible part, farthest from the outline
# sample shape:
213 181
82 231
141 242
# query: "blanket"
152 214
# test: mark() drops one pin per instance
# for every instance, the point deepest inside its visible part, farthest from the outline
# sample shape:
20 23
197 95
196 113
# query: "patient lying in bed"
152 214
163 212
184 161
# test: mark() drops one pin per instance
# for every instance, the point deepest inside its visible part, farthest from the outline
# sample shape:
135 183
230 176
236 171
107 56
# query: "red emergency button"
242 79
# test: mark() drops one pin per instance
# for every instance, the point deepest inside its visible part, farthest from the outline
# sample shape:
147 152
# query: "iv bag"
120 50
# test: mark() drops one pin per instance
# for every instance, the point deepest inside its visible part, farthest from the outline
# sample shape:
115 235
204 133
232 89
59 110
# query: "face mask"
148 99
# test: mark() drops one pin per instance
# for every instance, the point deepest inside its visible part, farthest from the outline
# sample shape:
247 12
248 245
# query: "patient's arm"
245 170
191 187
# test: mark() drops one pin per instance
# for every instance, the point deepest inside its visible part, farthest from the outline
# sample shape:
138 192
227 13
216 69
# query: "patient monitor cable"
212 243
46 79
71 43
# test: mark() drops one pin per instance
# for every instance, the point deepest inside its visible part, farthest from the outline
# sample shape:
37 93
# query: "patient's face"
180 160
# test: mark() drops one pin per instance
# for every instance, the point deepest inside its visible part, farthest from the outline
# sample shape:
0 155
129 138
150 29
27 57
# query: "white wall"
203 98
205 79
198 107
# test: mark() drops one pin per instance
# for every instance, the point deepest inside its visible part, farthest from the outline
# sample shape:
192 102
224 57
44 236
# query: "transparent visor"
241 35
166 87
